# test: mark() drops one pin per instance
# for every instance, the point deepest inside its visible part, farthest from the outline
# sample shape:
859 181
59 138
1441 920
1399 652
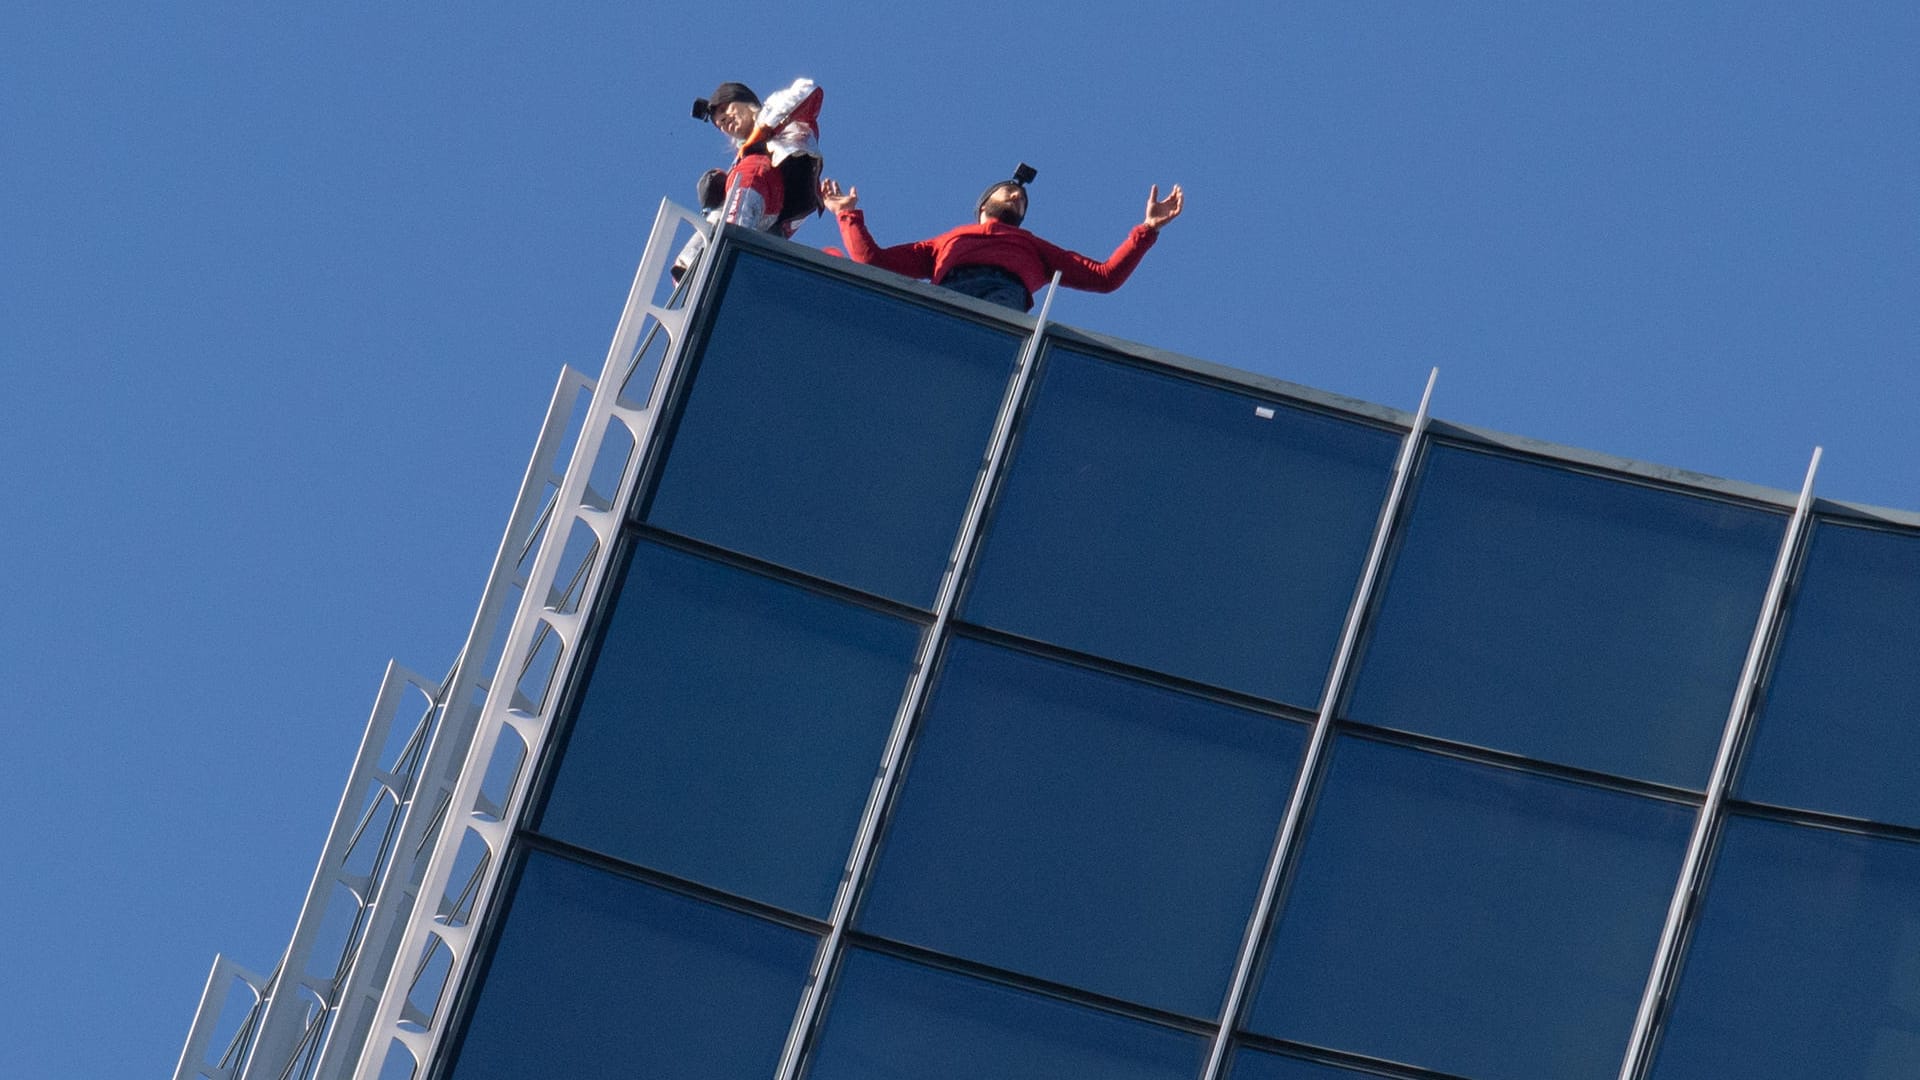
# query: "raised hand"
836 200
1160 211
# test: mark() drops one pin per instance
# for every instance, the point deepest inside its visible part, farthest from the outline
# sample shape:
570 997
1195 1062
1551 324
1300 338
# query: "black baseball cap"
723 95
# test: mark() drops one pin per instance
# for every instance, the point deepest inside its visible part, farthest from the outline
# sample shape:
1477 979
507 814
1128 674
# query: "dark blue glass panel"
596 976
1470 919
1581 620
1083 828
1166 523
1259 1065
834 430
730 729
894 1020
1840 731
1805 963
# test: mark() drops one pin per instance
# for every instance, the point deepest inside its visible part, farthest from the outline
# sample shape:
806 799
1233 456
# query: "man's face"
735 118
1007 203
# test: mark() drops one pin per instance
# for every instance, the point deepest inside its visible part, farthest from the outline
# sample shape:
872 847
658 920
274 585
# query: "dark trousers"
989 283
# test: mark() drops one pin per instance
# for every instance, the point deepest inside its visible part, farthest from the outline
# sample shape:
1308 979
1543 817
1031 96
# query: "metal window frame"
1287 839
1683 905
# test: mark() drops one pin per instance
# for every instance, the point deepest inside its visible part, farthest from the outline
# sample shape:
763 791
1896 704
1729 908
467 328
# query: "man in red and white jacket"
995 259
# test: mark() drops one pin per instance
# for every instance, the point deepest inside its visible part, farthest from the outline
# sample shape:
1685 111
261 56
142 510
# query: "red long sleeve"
1008 247
1079 272
914 260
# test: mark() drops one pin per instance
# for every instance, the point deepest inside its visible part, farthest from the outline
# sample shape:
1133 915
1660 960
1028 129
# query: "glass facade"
1470 918
1840 732
832 430
894 1019
1567 617
1121 848
808 813
729 729
592 972
1115 544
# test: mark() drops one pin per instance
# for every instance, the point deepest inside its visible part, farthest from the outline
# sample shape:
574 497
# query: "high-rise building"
892 686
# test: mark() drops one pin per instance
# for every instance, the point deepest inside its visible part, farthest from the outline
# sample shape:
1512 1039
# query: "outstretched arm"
1079 272
913 260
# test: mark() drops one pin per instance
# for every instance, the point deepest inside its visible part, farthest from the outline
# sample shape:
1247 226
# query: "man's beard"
1005 210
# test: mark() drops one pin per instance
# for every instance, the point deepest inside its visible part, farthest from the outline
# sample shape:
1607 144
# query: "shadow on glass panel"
596 977
1564 616
891 1019
1083 828
730 729
1837 732
833 429
1178 526
1468 918
1805 961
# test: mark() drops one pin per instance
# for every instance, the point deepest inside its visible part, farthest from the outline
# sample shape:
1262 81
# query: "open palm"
1160 211
836 200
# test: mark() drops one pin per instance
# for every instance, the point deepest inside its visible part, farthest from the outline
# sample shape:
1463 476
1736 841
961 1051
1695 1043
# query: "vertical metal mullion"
1288 835
865 840
1693 868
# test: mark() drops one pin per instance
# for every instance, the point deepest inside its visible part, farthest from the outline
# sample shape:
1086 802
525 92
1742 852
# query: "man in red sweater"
995 259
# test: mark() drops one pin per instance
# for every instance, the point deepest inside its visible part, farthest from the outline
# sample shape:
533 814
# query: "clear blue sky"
286 287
